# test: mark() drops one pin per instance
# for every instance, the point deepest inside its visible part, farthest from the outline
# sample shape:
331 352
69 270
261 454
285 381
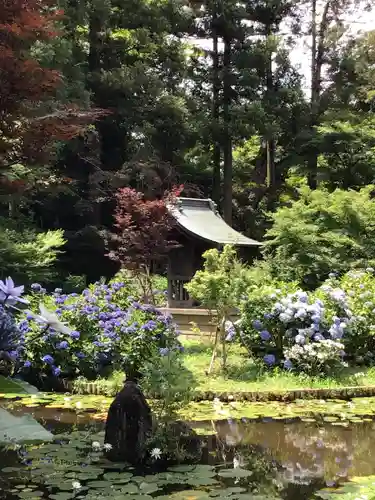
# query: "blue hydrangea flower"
75 335
56 371
302 296
27 364
265 335
257 324
288 365
35 287
300 339
164 351
62 345
48 359
269 359
80 355
336 332
150 325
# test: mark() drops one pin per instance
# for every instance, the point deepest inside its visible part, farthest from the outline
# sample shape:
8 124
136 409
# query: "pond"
261 459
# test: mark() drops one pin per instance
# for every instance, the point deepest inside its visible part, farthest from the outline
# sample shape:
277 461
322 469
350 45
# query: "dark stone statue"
129 424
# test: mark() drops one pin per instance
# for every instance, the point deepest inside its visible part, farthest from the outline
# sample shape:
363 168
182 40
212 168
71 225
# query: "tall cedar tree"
27 126
143 229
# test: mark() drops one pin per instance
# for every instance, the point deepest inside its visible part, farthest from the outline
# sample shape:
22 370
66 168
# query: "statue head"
132 373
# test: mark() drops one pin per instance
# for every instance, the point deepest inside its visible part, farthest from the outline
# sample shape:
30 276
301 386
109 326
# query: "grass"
245 375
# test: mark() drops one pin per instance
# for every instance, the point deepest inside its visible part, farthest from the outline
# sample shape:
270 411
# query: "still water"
288 460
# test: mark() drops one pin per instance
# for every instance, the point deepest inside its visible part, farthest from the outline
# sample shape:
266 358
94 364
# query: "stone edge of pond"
344 393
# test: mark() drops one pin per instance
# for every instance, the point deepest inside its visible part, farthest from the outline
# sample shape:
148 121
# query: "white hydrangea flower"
96 445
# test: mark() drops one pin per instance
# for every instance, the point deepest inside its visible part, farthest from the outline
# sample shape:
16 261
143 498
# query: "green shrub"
320 232
220 286
158 284
26 254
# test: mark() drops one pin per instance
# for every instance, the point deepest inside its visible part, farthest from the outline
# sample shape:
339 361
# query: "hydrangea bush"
93 333
353 296
313 331
294 331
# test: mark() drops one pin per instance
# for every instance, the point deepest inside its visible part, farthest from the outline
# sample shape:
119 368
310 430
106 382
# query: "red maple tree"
26 128
142 232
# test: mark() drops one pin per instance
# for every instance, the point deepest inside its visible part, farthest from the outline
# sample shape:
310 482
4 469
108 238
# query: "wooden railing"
177 294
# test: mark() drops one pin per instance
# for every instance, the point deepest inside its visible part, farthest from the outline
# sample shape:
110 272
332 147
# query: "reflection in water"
308 450
290 457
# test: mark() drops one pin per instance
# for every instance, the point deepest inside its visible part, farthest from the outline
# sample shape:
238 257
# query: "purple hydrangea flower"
257 324
269 359
27 364
35 287
62 345
56 371
80 355
48 359
164 351
75 335
150 325
265 335
318 337
288 365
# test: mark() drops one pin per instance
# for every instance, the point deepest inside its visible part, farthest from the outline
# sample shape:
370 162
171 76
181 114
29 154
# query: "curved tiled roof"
200 218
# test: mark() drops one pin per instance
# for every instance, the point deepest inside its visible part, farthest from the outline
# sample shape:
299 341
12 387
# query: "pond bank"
344 393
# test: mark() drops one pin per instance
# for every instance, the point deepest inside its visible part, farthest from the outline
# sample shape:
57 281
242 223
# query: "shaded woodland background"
125 97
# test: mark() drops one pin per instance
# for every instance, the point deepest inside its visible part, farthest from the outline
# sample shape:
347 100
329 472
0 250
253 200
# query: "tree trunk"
228 160
216 170
95 27
270 142
317 59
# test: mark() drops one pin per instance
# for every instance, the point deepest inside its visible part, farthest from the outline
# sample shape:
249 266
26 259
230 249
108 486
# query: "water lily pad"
236 472
148 488
99 484
6 470
182 468
200 481
130 489
228 491
189 495
61 496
